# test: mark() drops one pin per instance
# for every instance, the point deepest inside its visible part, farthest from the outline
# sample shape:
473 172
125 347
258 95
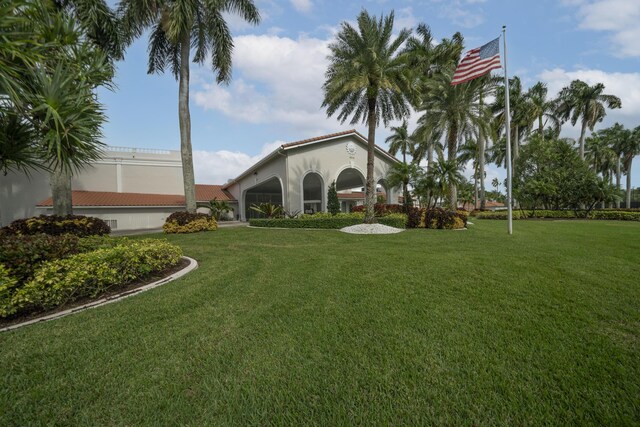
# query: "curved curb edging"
193 264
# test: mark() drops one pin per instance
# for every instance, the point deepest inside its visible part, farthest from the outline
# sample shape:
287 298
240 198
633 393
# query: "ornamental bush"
186 222
22 254
55 225
89 274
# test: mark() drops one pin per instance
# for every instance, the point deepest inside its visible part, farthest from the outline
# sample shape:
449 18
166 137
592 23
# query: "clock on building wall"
351 148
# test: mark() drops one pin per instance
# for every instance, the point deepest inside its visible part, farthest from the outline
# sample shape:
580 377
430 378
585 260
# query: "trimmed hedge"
327 221
185 222
89 274
54 225
563 214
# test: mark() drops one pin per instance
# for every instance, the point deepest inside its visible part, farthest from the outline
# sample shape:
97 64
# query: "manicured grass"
318 327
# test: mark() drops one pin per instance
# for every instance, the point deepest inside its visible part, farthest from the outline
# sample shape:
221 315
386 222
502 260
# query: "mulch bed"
109 293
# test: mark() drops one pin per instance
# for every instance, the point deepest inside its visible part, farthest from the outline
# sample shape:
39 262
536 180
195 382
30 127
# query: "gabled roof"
309 141
204 193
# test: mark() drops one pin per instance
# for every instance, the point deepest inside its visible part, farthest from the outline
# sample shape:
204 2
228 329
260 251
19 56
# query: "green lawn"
320 327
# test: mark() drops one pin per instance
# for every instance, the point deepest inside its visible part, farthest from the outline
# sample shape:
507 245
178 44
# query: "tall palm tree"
427 141
543 109
368 80
454 111
579 101
615 137
400 140
630 149
520 109
177 27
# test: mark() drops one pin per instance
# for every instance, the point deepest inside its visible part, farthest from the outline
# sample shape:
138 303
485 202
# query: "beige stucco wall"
19 194
121 170
274 168
328 159
127 218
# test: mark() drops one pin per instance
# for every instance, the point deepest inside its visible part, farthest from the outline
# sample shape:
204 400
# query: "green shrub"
325 220
8 284
443 219
185 222
88 274
55 225
22 254
563 214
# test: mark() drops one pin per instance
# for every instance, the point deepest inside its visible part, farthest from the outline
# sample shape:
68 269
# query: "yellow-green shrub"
185 222
89 274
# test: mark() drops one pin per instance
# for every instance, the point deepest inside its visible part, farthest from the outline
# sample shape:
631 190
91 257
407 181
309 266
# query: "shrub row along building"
138 188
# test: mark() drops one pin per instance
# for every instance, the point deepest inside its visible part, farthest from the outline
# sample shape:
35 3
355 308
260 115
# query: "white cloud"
303 6
405 19
618 17
280 82
624 85
217 167
465 13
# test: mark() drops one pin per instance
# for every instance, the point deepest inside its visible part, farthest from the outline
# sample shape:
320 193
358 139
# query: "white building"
138 188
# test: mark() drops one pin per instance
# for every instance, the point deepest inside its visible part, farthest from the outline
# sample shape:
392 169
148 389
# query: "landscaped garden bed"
327 221
40 273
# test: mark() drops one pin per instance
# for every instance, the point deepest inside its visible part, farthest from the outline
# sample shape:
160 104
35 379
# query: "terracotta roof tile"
204 193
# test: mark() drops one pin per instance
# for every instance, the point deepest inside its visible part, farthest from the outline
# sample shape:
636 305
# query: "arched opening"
269 191
312 193
350 186
382 192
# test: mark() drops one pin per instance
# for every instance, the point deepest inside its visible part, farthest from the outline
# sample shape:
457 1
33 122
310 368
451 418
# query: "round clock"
351 148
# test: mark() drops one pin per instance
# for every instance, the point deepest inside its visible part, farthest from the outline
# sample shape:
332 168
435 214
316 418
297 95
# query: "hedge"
422 217
186 222
78 225
88 274
563 214
326 221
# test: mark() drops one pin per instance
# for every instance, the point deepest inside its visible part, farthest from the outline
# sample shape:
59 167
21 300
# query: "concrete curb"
193 264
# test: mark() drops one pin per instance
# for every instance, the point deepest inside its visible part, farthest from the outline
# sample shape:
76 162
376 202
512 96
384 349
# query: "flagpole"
508 132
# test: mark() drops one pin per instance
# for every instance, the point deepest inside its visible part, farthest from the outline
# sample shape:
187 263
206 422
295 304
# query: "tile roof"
333 135
319 138
204 193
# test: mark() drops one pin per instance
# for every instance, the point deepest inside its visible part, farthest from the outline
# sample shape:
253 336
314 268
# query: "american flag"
478 62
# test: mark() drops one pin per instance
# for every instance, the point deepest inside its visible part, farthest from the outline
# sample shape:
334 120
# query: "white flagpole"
508 132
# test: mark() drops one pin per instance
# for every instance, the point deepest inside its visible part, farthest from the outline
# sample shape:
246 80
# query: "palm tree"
52 119
427 141
630 149
496 184
615 137
543 110
367 79
579 101
404 174
521 113
177 27
446 173
400 141
454 111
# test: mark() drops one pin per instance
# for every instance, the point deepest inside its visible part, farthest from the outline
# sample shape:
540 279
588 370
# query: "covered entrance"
269 191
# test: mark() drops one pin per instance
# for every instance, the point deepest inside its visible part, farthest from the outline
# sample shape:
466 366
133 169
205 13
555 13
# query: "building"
133 188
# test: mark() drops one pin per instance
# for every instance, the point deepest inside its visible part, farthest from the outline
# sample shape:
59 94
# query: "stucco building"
138 188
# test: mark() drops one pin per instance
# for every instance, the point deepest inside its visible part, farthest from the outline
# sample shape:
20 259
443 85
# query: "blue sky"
276 97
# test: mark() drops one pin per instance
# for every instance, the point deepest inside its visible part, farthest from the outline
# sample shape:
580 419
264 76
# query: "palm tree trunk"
540 126
628 167
618 179
185 125
583 133
452 145
61 192
429 157
481 154
370 194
